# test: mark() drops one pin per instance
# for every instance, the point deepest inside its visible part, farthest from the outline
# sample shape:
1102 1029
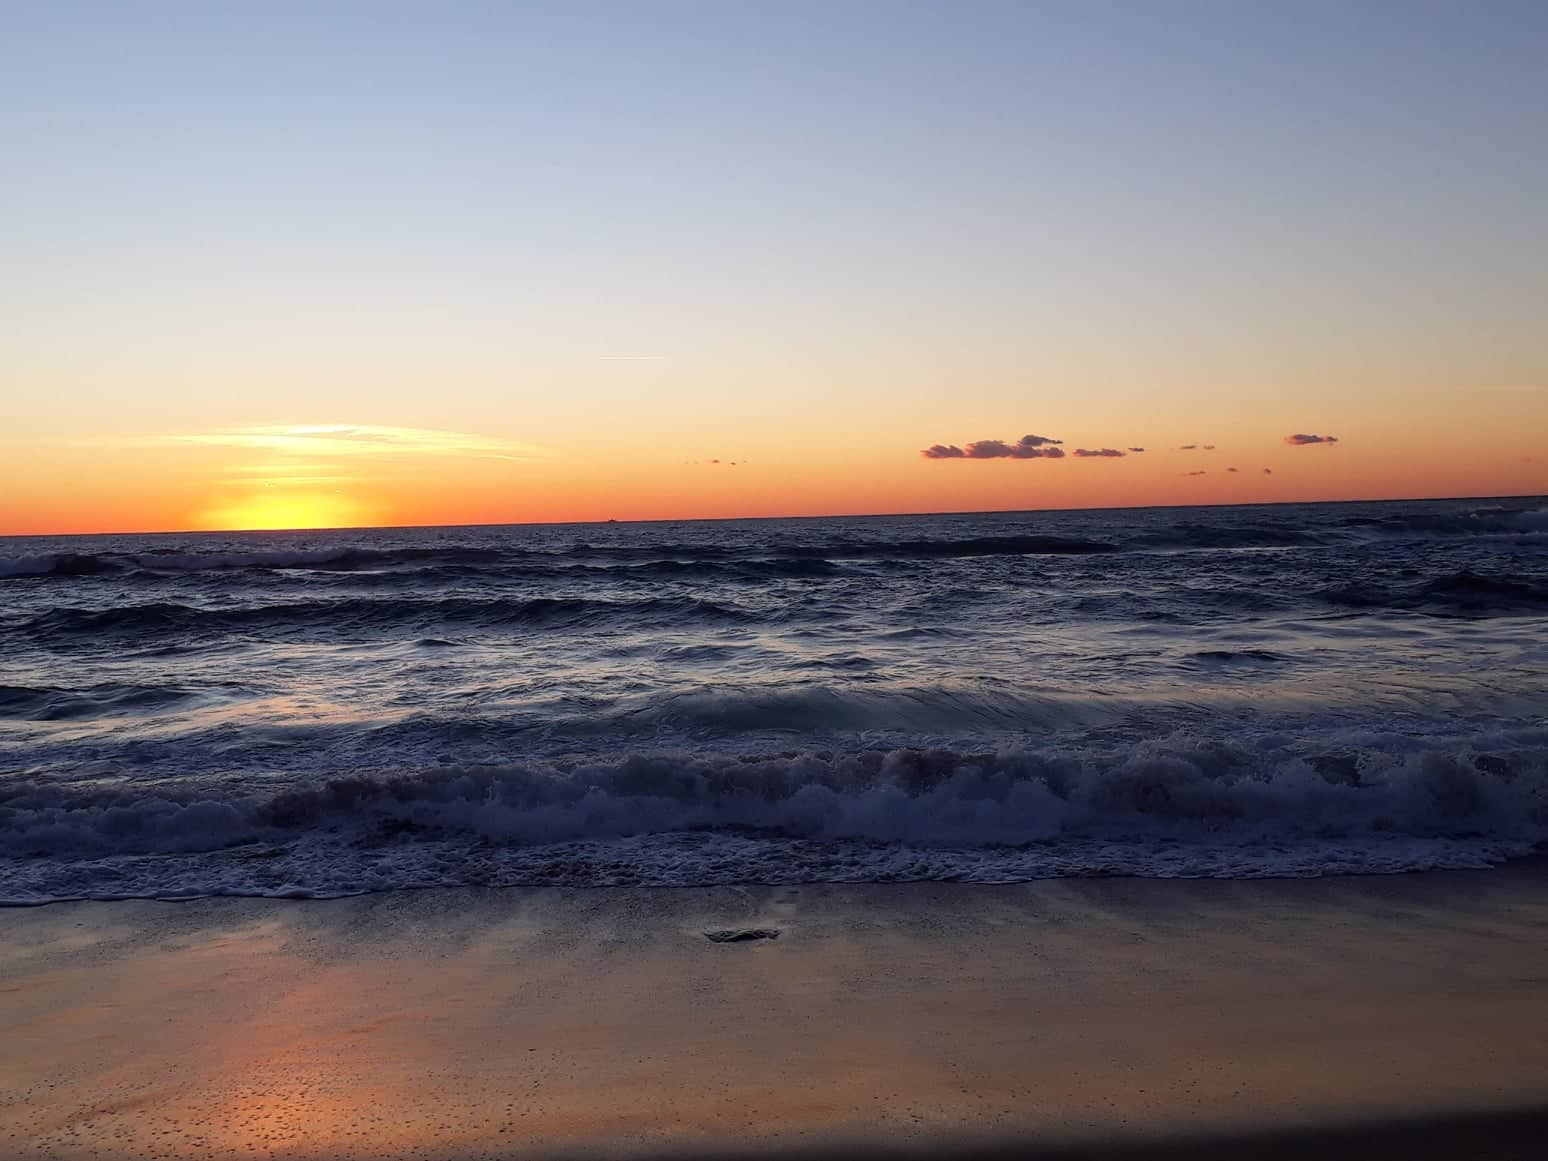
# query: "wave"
974 546
62 564
1458 594
806 708
1494 520
753 569
362 614
51 703
1177 805
755 556
164 561
752 561
1211 536
929 548
1238 656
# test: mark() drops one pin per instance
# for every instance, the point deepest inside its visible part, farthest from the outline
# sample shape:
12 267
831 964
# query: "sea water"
1240 691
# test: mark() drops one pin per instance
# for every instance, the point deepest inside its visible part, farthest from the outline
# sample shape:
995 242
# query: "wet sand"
1403 1016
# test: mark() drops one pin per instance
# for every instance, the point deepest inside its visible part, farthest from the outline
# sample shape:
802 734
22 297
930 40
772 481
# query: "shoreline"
1530 863
1063 1017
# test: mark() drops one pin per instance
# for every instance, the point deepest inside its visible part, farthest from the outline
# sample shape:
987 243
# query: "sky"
294 264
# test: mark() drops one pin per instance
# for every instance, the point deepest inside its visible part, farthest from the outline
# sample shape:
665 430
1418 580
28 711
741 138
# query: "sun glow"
287 511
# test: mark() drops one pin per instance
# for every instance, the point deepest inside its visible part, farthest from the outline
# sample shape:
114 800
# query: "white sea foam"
1175 806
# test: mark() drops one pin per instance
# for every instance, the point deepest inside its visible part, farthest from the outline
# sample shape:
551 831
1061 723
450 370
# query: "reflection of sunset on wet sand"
467 1023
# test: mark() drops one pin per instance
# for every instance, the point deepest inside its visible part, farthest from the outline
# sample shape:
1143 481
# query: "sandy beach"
462 1023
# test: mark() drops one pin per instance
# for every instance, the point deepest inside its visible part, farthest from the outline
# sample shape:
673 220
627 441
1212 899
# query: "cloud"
1099 453
1199 473
1136 449
991 449
1268 471
1028 447
1303 440
285 474
1197 447
259 480
1231 469
348 439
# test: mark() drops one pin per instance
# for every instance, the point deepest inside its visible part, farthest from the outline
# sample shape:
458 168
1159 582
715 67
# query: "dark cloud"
1230 469
1200 473
1303 440
1028 447
1022 451
988 449
1268 471
1136 449
1099 453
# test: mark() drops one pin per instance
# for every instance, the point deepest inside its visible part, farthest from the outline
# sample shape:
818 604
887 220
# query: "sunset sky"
295 264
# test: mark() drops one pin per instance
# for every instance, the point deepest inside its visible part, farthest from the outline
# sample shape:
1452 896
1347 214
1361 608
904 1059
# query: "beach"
1140 1015
644 580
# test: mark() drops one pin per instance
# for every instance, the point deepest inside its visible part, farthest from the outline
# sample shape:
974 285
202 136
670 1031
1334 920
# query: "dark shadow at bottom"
1516 1135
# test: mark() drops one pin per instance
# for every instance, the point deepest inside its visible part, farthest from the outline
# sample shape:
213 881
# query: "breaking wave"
1494 520
1175 806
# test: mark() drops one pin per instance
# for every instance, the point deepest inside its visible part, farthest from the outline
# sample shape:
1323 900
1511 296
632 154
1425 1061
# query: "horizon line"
788 516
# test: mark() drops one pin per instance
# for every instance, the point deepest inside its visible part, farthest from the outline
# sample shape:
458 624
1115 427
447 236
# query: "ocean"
1285 690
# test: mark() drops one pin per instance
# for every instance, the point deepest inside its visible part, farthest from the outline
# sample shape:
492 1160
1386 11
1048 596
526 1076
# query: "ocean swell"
171 561
777 559
1458 594
50 703
362 614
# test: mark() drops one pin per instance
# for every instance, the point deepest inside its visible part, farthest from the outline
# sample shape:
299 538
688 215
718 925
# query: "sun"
284 511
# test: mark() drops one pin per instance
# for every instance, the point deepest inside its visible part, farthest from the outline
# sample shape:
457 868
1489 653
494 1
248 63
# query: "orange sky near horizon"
275 480
305 264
